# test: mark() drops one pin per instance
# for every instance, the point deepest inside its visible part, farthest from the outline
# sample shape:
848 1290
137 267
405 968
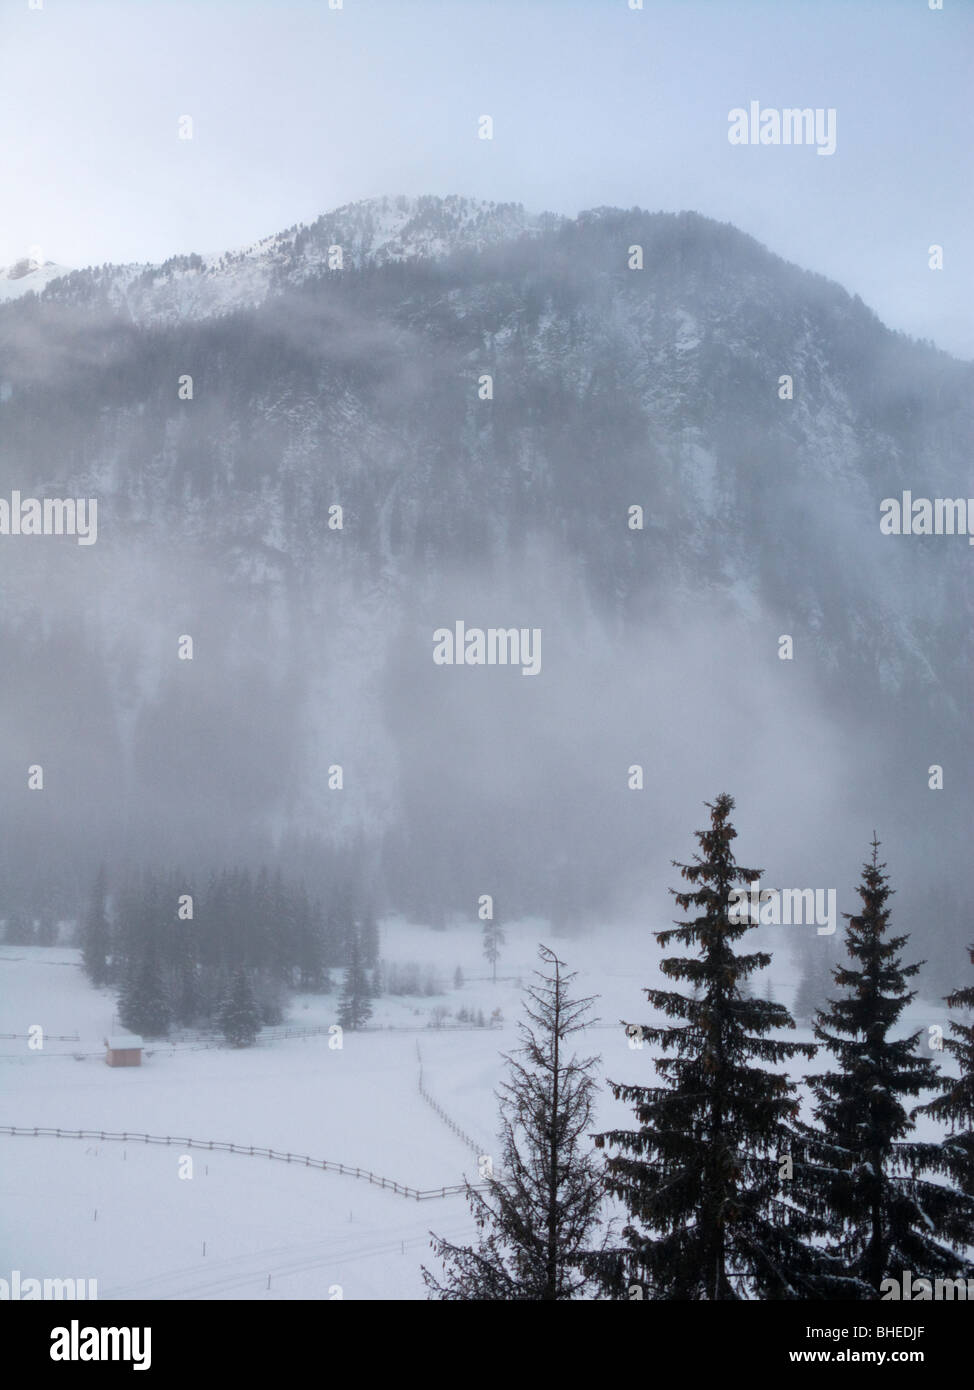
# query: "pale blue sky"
299 108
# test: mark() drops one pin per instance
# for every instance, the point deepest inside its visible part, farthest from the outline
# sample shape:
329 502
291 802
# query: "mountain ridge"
376 231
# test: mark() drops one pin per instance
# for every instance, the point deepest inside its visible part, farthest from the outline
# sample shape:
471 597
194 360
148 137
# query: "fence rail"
49 1037
249 1150
450 1123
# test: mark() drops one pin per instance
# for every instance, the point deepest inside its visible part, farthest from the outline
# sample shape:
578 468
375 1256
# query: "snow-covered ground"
274 1230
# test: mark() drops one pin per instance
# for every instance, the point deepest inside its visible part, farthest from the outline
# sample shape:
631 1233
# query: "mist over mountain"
362 386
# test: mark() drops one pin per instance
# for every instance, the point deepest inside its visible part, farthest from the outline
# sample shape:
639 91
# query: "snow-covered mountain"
486 395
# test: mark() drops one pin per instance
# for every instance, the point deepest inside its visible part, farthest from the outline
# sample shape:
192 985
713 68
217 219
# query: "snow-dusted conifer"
702 1176
240 1013
864 1187
355 1008
539 1215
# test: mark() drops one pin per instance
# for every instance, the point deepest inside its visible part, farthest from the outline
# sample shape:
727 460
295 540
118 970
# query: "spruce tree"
308 942
354 1007
702 1175
538 1216
955 1105
240 1013
143 1003
95 934
865 1188
493 939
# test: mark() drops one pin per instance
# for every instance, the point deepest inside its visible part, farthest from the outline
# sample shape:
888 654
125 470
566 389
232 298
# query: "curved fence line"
251 1151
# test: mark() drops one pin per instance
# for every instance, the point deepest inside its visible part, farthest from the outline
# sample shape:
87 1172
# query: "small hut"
124 1050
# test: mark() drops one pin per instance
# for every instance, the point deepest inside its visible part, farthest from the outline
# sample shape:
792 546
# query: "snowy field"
120 1212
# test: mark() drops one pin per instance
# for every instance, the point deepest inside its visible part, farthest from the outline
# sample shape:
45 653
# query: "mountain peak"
28 275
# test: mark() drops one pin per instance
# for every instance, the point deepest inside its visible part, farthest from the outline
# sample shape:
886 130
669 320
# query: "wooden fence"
450 1123
251 1150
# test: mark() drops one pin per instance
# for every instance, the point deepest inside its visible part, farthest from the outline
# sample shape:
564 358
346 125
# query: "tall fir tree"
702 1177
955 1104
864 1187
355 1008
493 940
143 1003
539 1217
240 1014
96 933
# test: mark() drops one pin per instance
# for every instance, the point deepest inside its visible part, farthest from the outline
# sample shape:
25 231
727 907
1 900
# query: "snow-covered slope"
378 232
28 276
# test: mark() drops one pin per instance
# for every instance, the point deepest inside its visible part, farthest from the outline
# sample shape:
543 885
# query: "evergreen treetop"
701 1176
865 1189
